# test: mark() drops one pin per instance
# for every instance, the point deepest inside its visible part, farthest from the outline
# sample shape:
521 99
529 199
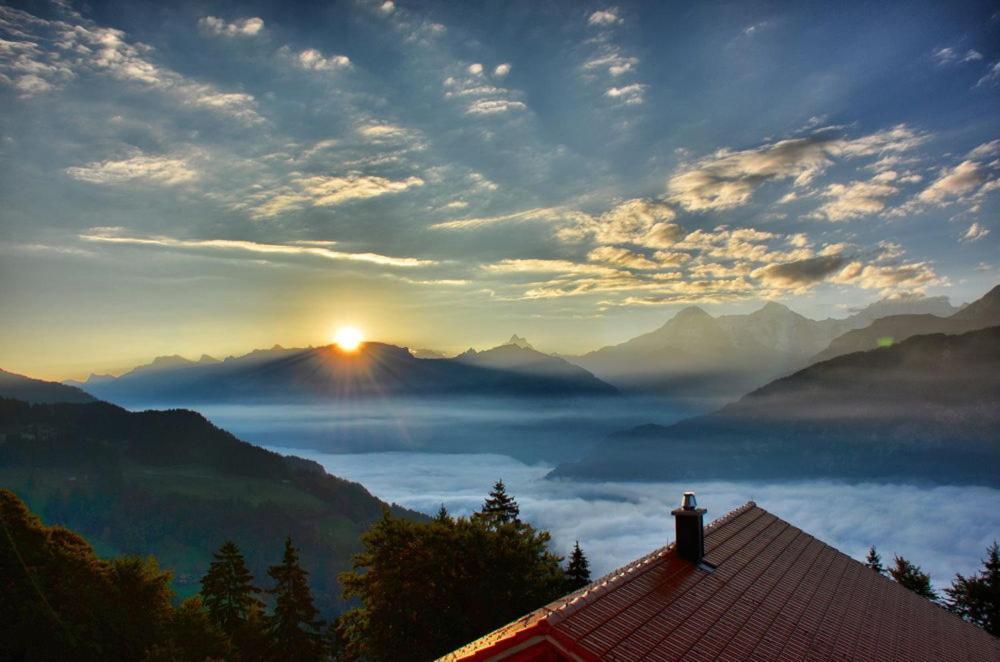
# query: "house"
749 586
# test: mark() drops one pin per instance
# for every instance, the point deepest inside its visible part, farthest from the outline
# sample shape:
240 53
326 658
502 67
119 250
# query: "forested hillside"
172 484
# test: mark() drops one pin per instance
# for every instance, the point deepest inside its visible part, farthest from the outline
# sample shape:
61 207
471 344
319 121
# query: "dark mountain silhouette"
928 407
979 314
37 391
696 354
172 484
377 369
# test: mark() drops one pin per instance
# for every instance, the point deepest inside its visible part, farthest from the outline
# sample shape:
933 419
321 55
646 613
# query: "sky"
211 177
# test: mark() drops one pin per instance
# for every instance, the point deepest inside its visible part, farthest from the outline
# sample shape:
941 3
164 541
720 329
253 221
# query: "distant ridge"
328 373
694 353
37 391
979 314
926 408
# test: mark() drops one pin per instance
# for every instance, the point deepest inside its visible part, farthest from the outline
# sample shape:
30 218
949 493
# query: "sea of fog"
551 430
944 529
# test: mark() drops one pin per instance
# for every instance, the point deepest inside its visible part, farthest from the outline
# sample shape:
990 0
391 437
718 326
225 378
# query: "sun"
348 338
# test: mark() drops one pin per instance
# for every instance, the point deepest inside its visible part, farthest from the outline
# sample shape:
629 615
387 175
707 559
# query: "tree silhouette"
500 507
874 561
977 598
293 627
913 578
428 588
227 589
578 570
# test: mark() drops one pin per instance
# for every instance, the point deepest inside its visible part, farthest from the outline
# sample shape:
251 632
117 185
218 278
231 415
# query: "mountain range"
325 373
696 354
927 407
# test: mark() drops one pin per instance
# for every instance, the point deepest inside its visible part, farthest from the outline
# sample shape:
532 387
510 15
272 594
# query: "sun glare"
348 338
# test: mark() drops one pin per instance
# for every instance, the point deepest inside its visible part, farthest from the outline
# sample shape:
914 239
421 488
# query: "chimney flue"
689 520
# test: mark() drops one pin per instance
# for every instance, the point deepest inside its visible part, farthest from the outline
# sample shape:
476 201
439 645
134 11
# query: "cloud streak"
214 246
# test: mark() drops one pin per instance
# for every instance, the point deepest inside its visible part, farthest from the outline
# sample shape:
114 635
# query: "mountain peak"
692 313
519 341
173 359
772 307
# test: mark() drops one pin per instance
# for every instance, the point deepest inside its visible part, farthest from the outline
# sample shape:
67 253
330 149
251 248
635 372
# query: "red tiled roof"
776 593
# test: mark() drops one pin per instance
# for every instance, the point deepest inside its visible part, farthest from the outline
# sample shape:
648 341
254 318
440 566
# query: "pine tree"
913 578
500 508
874 561
578 570
227 589
977 598
293 627
442 515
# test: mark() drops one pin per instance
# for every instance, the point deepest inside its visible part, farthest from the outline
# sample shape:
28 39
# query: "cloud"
613 62
728 179
72 49
486 99
241 27
991 77
985 151
799 273
387 7
605 17
324 191
154 169
549 266
493 106
383 131
313 60
618 522
753 29
315 249
857 198
638 222
953 183
889 278
948 55
630 94
975 233
535 214
621 257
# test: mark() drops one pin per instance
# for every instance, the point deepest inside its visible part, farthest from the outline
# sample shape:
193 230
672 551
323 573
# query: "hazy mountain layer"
926 408
979 314
172 484
695 354
324 373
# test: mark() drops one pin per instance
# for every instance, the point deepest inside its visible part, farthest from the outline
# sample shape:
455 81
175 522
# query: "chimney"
689 519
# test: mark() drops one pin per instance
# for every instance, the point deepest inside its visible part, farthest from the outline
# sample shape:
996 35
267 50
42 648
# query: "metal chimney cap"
689 502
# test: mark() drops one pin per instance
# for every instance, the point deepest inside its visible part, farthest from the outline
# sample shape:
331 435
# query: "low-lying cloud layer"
944 529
